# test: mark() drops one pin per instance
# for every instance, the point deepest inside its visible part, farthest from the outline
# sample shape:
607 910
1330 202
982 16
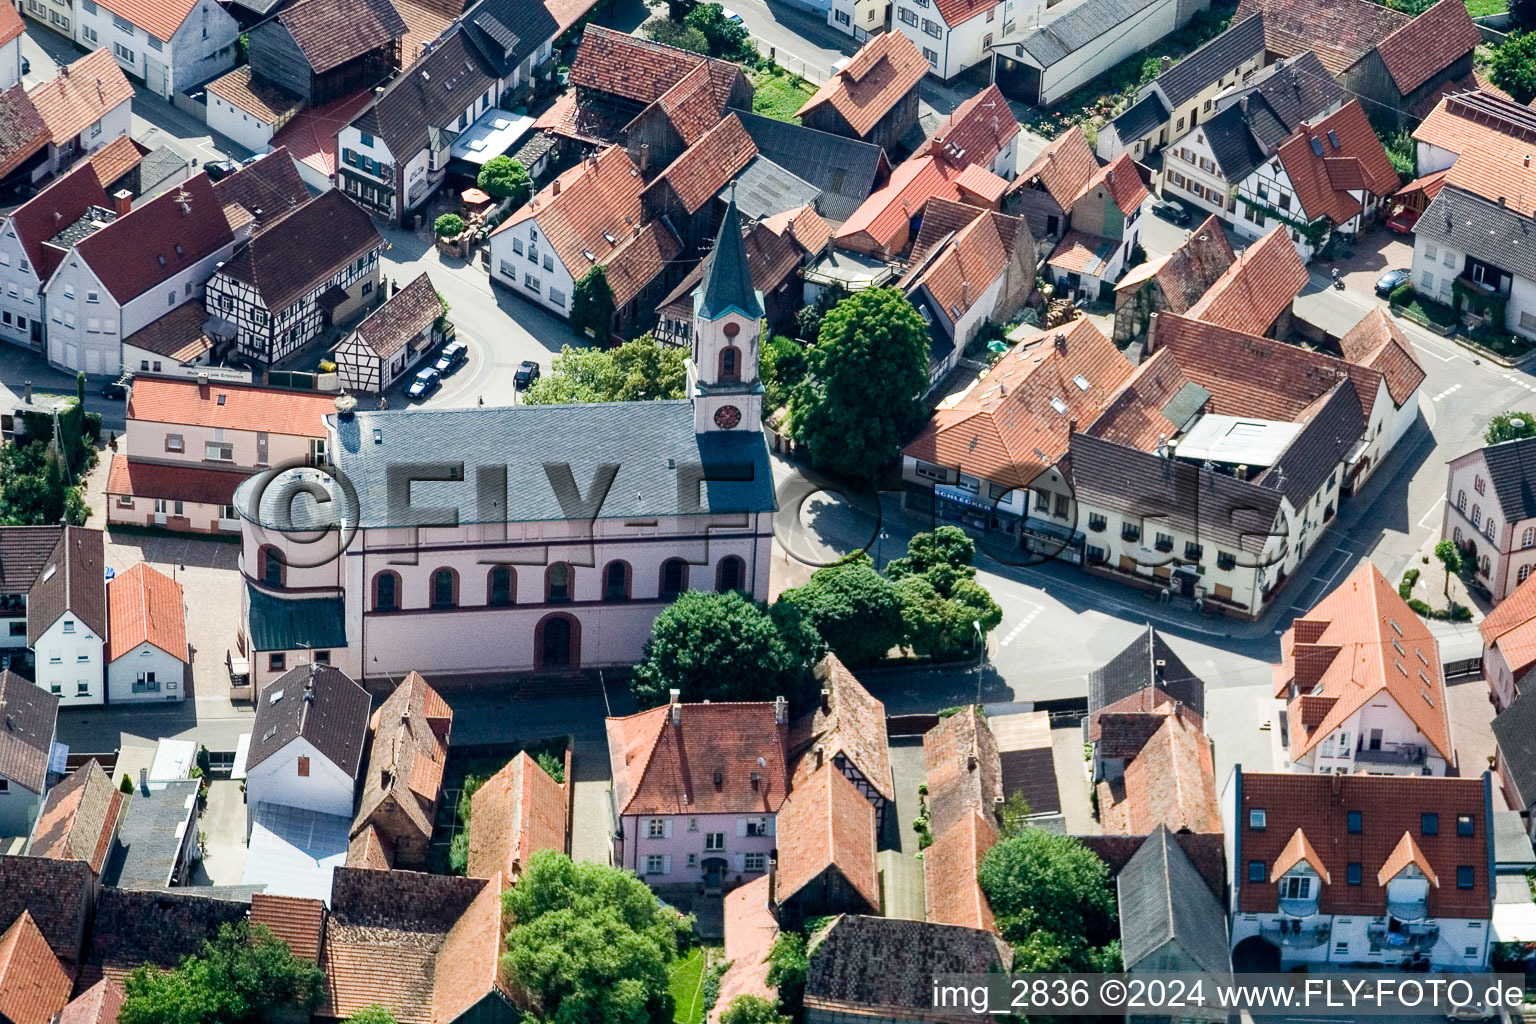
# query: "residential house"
872 98
1127 697
258 194
384 346
1022 416
1169 919
517 812
79 819
1045 191
189 444
1377 343
117 273
1509 645
28 260
157 839
1105 222
962 769
858 18
1051 54
11 29
517 40
311 137
1397 63
1174 282
981 130
323 50
1184 93
1168 780
1513 735
1496 531
847 727
98 1004
170 47
85 106
750 932
1208 163
34 985
24 147
844 171
306 748
24 551
969 266
681 195
697 789
438 938
147 652
589 216
1335 173
887 223
405 770
1254 294
840 984
249 109
1471 119
951 893
1351 869
58 15
67 618
183 921
310 269
26 738
826 851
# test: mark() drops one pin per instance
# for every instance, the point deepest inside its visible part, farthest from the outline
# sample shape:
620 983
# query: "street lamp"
981 652
880 549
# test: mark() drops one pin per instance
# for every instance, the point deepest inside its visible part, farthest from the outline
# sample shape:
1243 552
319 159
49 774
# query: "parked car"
527 373
424 383
1178 213
1403 221
732 17
26 66
454 353
1390 280
117 390
220 169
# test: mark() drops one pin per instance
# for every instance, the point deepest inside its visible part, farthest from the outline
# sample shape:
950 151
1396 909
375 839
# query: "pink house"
696 790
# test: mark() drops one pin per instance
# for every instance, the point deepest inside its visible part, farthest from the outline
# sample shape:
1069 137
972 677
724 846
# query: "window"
842 17
931 56
756 827
1464 826
932 28
1257 818
1226 560
122 52
1042 501
271 566
174 442
1192 551
303 767
755 862
386 592
1353 873
277 662
1356 821
69 625
1165 542
1466 876
19 628
1461 501
1256 871
730 575
655 828
1477 516
157 45
655 864
83 689
906 17
730 363
549 262
674 577
1296 887
1097 522
531 283
444 588
499 587
1063 506
1429 824
82 656
558 583
1479 485
322 657
714 842
616 582
1524 573
218 451
364 139
1528 538
556 296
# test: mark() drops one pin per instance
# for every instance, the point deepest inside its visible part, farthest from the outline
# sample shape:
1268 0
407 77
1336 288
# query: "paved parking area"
224 823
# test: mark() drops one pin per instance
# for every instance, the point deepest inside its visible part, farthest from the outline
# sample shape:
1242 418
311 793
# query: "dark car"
454 353
424 383
116 389
220 169
1175 212
26 66
1390 280
527 373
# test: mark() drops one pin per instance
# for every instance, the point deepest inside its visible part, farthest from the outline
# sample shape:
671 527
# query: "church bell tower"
727 327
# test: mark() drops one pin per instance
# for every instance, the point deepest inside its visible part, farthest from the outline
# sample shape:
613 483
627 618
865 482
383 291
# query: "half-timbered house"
391 339
315 266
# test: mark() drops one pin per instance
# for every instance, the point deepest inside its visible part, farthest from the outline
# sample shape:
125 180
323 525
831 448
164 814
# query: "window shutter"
666 865
741 862
741 827
666 828
771 827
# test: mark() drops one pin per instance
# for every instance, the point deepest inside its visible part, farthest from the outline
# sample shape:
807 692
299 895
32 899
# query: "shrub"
552 763
1420 608
1405 588
1402 294
505 178
125 786
449 225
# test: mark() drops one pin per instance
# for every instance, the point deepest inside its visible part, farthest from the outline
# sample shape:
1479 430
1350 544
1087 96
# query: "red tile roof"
876 79
1121 183
311 135
78 819
976 131
229 406
11 25
951 892
158 240
1358 161
98 1004
22 129
1472 119
803 225
329 33
705 167
848 723
826 823
1298 850
1007 428
1340 32
1171 781
624 65
1345 651
517 812
662 767
690 105
145 606
63 202
957 12
1389 806
1135 417
266 102
1081 253
888 211
1064 168
1188 272
371 849
976 180
1500 171
410 748
1406 852
1377 342
750 930
1257 287
80 95
33 984
298 921
568 12
588 204
184 483
1428 44
960 271
115 159
962 767
160 18
640 261
1511 627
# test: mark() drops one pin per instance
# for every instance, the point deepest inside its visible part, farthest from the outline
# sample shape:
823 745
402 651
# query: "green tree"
788 963
1450 558
505 178
243 976
1510 426
591 943
726 38
867 373
649 370
80 391
938 625
374 1014
592 306
449 225
641 370
752 1010
1514 66
1053 900
1524 13
675 33
781 366
34 487
718 647
854 609
944 557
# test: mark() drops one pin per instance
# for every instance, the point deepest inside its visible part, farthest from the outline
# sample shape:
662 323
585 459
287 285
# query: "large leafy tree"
867 372
1514 66
723 647
592 305
1510 426
856 611
748 1009
1053 900
34 487
591 943
243 976
675 33
942 604
637 371
505 178
726 38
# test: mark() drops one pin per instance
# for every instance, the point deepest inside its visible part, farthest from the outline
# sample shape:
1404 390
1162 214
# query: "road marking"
1025 621
1520 381
1421 524
1450 390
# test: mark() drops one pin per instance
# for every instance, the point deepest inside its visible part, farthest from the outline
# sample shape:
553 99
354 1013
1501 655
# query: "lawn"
1485 8
779 95
685 980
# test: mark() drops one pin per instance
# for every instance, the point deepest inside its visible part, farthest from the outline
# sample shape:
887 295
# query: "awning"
474 197
959 497
242 754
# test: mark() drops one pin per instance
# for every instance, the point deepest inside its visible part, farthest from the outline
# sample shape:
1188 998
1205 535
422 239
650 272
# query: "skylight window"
1059 406
1081 382
1317 147
1333 139
275 696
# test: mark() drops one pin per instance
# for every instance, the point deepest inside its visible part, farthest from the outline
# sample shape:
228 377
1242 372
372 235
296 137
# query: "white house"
859 18
249 110
957 34
26 746
170 47
24 551
11 28
147 648
85 106
58 15
307 741
1487 517
67 618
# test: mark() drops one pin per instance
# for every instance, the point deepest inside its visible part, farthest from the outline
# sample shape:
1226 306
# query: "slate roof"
73 580
826 823
1352 159
909 953
24 550
182 922
149 838
764 188
297 921
1164 899
34 986
290 623
335 721
1075 28
157 241
844 170
430 94
300 250
962 767
80 95
63 202
405 765
1339 31
78 819
1145 662
404 316
1257 287
517 812
332 32
26 730
1142 118
1171 781
1514 730
1428 44
662 767
1511 467
1233 144
23 131
875 80
146 606
951 892
726 284
848 721
1212 61
1482 229
508 31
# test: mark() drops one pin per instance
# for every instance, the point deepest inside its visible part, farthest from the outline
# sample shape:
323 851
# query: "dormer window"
1298 888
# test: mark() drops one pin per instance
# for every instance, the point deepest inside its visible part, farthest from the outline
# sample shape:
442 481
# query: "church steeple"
727 282
727 320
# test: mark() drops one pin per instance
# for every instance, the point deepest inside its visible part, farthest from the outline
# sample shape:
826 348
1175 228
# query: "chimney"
1527 159
144 781
122 202
970 761
1335 783
1150 344
965 293
773 877
790 228
202 385
1061 341
821 754
10 723
677 706
1072 425
554 188
645 157
1164 63
1501 201
780 711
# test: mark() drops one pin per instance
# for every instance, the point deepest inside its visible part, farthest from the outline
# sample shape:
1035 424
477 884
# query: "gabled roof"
1299 851
586 206
1259 285
508 32
24 550
1074 29
34 986
26 731
666 767
1512 466
258 97
1145 663
324 706
1427 45
878 76
1514 728
1480 226
803 228
1188 272
909 954
826 823
296 920
133 927
1064 168
1376 341
1157 401
145 606
332 32
80 95
300 250
1500 171
40 218
705 167
1511 627
1339 31
750 931
845 170
1142 118
183 483
229 406
1016 422
11 25
1328 160
78 819
57 893
98 1004
640 261
951 892
112 161
410 748
517 812
628 66
1211 61
848 721
23 131
890 209
156 241
1468 120
726 285
407 314
689 105
975 131
962 767
1121 183
958 272
1163 899
160 18
428 96
1289 93
771 259
1407 852
1345 649
957 12
73 580
1171 781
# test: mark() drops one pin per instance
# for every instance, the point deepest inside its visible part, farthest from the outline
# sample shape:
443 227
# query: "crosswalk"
1022 624
1522 381
1448 391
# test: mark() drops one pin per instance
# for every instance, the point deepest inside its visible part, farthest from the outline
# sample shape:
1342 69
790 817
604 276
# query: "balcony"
1406 939
1295 935
13 605
1404 755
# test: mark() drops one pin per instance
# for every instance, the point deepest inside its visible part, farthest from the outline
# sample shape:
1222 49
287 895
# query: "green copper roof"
727 283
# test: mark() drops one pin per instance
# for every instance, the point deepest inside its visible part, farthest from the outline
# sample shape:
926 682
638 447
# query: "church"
530 538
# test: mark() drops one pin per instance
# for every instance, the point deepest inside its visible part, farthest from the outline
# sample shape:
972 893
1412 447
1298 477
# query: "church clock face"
727 416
